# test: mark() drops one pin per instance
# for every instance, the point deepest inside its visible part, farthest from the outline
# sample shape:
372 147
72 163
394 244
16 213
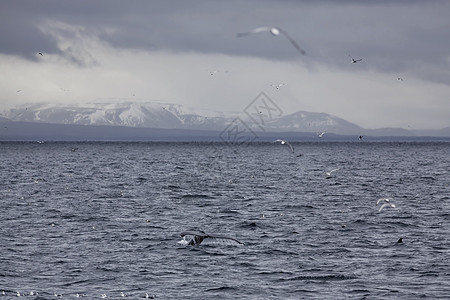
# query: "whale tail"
199 236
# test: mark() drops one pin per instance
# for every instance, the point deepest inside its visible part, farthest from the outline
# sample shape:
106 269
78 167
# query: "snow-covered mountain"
158 115
170 116
130 114
173 116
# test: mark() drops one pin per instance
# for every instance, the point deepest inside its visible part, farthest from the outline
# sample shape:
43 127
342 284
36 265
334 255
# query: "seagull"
276 32
383 199
360 137
321 134
329 172
40 53
356 60
199 236
283 142
277 86
399 79
213 72
386 205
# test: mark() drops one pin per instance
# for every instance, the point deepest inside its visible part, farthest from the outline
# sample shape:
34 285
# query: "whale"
199 236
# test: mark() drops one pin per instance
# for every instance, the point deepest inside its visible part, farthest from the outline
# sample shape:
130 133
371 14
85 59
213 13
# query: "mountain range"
163 116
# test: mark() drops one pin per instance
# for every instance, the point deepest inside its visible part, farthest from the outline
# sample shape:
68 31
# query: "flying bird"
387 202
277 86
275 31
199 236
356 60
386 205
329 172
321 134
383 200
40 53
283 142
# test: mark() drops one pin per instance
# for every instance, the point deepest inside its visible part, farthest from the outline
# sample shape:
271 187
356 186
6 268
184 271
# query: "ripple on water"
106 219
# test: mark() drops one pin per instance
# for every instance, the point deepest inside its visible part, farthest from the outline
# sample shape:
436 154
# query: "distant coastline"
33 131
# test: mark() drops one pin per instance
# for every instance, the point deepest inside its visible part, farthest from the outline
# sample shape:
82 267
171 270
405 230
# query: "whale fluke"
199 236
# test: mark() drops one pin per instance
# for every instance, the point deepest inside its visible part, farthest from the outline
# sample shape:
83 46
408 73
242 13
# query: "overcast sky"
95 51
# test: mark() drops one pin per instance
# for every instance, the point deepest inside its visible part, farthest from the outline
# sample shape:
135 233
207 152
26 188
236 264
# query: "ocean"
103 220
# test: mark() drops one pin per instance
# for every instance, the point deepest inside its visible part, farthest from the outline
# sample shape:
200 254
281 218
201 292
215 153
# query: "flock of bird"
77 295
387 202
277 31
199 236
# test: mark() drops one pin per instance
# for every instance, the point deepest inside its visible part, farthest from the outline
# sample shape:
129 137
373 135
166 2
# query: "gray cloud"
388 34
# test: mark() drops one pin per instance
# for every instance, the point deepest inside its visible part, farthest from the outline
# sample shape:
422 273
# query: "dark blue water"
104 219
